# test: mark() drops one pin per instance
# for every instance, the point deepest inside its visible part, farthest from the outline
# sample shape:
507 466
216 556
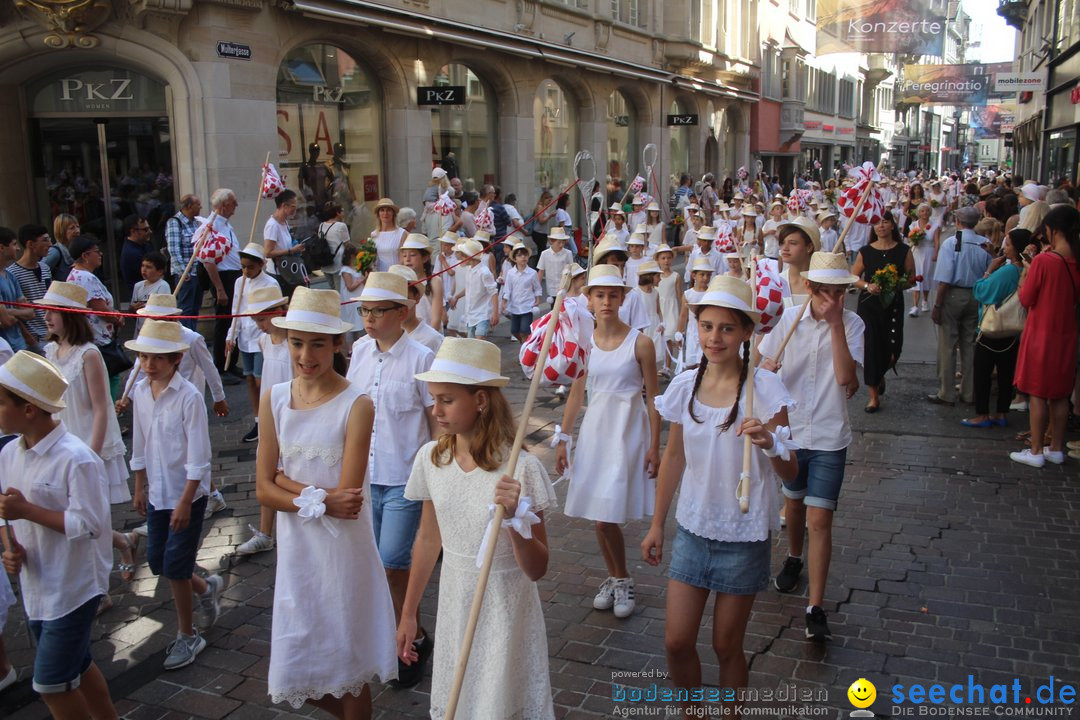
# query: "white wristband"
782 444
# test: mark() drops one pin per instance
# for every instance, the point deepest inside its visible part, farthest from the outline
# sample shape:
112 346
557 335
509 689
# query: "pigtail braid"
697 384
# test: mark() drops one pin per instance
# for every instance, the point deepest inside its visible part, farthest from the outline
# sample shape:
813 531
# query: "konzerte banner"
944 85
879 26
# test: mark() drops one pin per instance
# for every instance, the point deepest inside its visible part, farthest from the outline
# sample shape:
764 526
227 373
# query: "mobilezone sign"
1019 82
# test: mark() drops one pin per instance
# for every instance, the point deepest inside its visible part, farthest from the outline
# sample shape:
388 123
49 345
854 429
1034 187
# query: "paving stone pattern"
949 560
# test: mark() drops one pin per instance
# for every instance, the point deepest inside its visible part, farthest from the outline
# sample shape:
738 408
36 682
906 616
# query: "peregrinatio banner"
945 85
879 26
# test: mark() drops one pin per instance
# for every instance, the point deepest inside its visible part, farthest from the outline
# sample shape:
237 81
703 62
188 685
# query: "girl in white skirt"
612 488
333 621
701 272
671 294
89 414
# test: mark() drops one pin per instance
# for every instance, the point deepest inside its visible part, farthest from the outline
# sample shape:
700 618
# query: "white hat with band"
416 241
466 361
386 287
65 294
829 268
264 298
34 379
159 305
158 337
314 311
410 277
605 276
732 293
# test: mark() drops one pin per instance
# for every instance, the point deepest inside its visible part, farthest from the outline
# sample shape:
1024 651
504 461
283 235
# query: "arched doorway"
463 136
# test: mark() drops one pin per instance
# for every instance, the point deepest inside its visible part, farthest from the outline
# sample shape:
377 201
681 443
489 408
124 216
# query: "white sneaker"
605 599
9 679
140 530
1055 456
925 307
259 542
215 503
1019 406
210 601
914 311
560 390
1026 457
624 597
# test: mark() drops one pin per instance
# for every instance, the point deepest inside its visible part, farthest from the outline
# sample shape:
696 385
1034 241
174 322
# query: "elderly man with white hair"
224 272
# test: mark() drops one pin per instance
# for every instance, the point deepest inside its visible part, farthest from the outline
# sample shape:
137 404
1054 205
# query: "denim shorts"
733 568
520 323
395 521
821 473
169 553
480 329
63 649
251 362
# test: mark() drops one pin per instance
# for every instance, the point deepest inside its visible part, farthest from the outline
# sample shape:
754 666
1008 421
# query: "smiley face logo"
862 693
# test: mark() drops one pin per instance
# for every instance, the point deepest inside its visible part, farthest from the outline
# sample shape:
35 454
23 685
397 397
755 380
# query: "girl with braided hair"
717 548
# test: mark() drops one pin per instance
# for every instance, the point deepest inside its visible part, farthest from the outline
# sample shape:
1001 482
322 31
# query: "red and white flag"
639 182
272 183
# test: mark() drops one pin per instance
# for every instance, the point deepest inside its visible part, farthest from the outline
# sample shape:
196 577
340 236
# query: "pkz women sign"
879 26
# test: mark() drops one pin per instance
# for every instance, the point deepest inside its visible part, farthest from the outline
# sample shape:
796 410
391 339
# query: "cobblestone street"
949 561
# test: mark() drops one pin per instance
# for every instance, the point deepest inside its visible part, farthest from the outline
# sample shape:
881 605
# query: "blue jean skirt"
734 568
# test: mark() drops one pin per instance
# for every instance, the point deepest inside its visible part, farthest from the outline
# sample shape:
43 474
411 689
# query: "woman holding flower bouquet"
885 269
923 236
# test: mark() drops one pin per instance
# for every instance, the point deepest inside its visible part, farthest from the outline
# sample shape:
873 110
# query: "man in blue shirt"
10 291
961 262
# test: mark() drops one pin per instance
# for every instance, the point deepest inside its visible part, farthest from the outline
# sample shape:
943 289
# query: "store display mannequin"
317 178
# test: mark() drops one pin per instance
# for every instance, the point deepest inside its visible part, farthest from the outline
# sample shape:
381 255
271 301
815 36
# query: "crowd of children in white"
367 472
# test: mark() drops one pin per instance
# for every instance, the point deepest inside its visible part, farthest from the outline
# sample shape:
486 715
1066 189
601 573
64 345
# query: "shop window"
464 136
330 139
555 140
623 156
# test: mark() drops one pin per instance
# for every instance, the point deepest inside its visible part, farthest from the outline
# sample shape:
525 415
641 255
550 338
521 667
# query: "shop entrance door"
81 161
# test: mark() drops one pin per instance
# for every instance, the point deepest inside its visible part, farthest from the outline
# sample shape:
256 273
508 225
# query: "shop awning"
407 23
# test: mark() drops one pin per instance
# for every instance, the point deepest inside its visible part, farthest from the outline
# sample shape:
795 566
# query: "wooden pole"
194 252
743 493
496 523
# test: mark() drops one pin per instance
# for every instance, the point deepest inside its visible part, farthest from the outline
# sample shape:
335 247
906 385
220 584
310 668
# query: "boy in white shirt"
635 250
153 282
553 261
60 538
521 293
243 333
478 290
822 374
706 237
170 456
827 221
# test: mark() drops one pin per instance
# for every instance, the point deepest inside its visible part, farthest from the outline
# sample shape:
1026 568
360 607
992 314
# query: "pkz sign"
440 95
682 119
236 51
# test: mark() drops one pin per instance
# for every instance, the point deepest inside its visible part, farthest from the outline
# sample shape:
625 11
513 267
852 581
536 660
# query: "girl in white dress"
333 621
748 236
457 477
654 227
671 294
612 488
938 202
444 262
416 254
717 548
923 253
648 277
701 273
89 414
352 285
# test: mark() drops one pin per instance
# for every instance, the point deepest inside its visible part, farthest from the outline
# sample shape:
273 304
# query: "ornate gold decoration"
70 21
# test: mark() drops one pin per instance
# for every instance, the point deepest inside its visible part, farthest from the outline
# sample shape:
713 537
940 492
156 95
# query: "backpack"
317 252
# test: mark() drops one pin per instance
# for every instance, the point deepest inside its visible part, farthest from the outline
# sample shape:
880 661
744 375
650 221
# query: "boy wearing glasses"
384 363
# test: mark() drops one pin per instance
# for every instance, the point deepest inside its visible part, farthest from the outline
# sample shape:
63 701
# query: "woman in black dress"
884 337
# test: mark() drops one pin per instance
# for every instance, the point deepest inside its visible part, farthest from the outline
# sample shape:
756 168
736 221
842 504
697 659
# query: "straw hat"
264 298
638 200
34 379
450 237
829 269
692 207
616 209
482 236
706 232
410 276
826 214
637 239
386 286
158 305
315 311
469 247
158 337
466 361
776 204
806 226
254 251
416 241
749 212
642 228
722 207
733 256
386 202
662 248
607 245
65 294
519 246
730 292
653 206
605 276
509 241
558 233
576 270
702 264
738 196
648 267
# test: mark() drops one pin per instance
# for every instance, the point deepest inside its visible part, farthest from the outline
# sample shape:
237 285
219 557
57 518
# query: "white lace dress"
333 624
78 416
507 677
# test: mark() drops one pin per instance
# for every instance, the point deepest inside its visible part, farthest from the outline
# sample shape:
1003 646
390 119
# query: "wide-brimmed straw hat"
519 246
254 251
702 264
558 233
637 239
509 241
638 200
482 236
642 228
159 305
806 226
653 206
730 292
65 294
607 245
470 247
450 237
34 379
264 298
706 232
748 211
663 248
314 311
829 268
386 202
388 287
605 276
826 214
410 276
416 241
648 267
158 337
466 361
738 196
576 270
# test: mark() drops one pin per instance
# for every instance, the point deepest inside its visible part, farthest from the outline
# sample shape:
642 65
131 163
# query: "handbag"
1005 320
291 269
